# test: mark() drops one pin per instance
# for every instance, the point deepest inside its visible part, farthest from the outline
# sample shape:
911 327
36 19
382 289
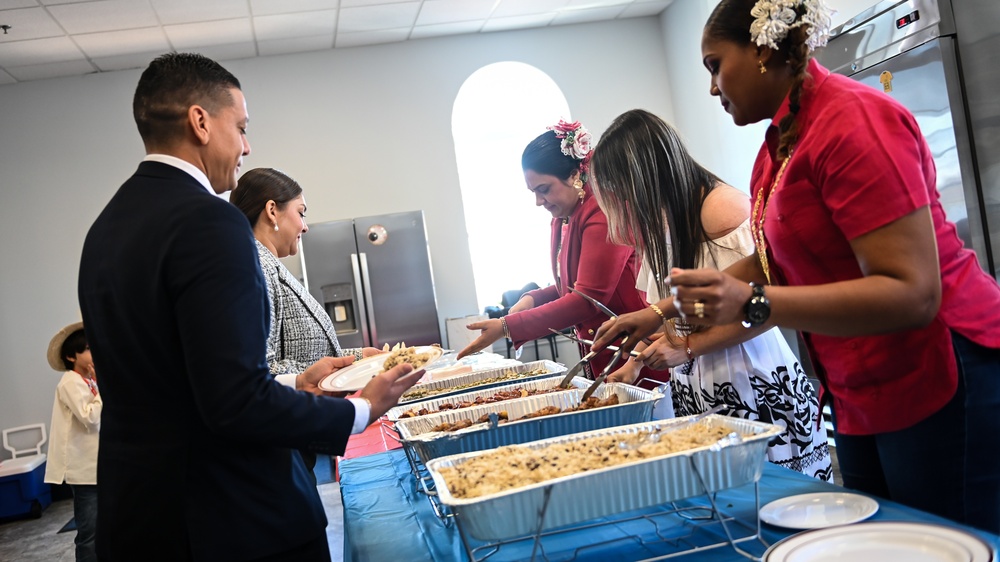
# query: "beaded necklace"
757 225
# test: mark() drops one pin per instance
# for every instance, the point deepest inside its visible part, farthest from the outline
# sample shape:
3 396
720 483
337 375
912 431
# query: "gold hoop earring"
760 65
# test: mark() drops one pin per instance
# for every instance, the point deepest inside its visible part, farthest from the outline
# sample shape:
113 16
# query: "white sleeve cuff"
362 412
287 379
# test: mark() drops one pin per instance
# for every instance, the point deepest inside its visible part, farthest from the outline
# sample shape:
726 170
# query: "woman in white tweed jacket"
301 331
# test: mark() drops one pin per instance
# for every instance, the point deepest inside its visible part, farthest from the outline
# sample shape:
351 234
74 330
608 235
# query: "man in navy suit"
197 457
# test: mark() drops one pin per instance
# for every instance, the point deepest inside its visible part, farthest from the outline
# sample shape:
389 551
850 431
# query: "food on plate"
418 393
497 396
590 403
406 355
515 466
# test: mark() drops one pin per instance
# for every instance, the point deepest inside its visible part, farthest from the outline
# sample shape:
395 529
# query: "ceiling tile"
360 38
193 35
51 70
356 3
295 45
6 78
508 8
371 18
127 61
302 24
587 4
104 15
518 22
112 43
38 51
447 11
11 4
270 7
232 51
437 30
640 9
28 23
189 11
587 15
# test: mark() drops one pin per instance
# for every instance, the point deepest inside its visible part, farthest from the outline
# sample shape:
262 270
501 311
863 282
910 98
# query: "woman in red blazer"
555 170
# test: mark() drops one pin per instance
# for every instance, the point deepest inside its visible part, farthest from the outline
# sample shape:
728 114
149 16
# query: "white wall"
364 130
708 131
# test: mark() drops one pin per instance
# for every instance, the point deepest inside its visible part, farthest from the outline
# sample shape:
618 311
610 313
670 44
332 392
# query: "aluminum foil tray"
599 493
552 367
635 405
534 384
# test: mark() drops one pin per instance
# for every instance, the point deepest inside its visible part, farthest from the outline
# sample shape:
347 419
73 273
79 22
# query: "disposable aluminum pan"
435 403
607 491
635 405
472 378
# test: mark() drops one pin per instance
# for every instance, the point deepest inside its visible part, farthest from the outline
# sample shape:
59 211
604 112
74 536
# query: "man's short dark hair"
170 85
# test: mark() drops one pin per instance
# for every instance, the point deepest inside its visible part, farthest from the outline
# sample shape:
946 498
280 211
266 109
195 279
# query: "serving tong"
585 360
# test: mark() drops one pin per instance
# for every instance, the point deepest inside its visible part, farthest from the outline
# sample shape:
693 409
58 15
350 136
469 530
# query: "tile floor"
39 540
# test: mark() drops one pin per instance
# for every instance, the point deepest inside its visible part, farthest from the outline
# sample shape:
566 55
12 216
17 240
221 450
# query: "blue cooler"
23 490
22 487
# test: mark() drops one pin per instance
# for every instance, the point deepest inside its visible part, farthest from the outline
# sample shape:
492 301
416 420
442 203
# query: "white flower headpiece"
576 139
775 18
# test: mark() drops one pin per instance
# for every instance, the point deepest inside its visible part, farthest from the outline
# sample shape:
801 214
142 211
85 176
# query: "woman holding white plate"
301 330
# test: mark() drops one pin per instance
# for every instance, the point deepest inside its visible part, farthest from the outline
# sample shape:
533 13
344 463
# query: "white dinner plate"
816 511
356 375
881 541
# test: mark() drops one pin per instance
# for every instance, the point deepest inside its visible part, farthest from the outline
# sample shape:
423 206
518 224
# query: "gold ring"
699 309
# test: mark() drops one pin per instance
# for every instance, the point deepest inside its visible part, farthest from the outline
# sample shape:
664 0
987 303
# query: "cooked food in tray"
498 396
418 393
591 403
516 466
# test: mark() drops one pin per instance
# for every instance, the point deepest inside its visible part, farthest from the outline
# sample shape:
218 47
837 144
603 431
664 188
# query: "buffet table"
386 518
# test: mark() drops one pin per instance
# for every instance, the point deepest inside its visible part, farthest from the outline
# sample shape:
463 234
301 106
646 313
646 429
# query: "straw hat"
55 346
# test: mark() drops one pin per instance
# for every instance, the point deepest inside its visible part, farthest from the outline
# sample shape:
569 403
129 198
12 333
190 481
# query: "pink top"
859 164
591 265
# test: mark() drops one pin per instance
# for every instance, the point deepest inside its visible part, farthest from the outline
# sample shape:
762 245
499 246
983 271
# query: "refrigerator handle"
361 302
366 279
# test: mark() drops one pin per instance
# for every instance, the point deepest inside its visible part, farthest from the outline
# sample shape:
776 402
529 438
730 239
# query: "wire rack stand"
425 484
688 520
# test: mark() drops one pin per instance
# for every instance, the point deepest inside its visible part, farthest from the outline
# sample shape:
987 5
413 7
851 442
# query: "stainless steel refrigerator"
373 276
937 57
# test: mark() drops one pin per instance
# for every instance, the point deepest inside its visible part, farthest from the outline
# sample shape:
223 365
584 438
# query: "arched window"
499 109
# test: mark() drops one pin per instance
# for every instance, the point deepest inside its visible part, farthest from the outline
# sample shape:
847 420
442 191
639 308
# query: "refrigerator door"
332 275
898 48
397 280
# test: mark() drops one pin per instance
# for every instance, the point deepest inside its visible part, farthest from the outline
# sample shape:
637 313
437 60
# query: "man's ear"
198 122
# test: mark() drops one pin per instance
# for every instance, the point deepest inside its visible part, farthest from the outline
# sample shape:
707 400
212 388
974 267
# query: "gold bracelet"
506 331
657 310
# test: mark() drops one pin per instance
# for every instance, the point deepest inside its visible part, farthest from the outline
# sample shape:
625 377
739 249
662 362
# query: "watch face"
758 310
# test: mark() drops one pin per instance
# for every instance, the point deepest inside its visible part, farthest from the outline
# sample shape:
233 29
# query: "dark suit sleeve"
221 306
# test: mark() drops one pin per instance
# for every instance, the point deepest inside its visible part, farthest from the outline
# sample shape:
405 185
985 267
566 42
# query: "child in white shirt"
76 421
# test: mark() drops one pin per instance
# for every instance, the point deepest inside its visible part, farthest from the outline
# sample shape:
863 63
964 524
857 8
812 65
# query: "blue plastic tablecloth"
386 518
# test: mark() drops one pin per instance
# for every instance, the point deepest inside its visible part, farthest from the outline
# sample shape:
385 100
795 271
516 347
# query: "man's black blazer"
196 453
